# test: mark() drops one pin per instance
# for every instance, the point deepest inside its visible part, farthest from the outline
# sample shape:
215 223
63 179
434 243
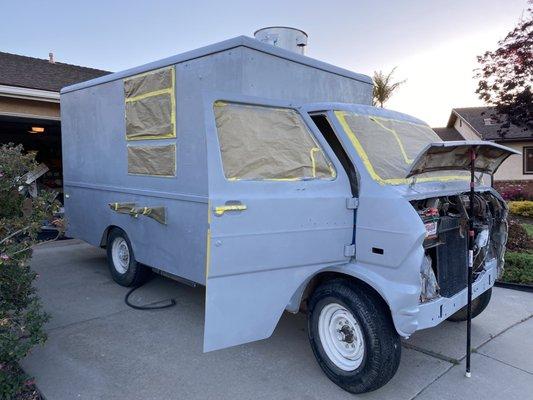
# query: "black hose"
171 302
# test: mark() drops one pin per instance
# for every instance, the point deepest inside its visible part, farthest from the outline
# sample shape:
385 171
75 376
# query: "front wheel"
352 336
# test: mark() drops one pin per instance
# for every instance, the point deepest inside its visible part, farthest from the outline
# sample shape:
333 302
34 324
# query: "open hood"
454 155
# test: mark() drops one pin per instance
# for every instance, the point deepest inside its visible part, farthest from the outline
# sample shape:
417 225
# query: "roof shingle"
476 116
36 73
448 134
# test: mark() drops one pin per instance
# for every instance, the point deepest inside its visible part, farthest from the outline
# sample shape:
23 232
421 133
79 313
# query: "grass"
519 265
529 229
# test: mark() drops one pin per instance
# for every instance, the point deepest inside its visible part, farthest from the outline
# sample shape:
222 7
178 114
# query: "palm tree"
383 87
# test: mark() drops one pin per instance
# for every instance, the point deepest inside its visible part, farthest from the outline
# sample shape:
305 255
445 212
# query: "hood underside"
455 155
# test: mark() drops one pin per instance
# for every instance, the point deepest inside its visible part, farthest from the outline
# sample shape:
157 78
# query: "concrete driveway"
99 348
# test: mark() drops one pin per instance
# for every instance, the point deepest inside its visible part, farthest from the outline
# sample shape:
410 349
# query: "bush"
521 208
518 268
519 239
512 193
22 211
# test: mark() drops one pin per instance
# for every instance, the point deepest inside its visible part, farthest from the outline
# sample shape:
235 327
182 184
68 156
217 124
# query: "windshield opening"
388 147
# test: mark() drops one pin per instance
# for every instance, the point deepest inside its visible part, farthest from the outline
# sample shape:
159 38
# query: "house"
29 106
474 123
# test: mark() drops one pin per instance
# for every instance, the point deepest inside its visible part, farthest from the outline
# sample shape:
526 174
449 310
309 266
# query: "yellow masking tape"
172 91
366 161
398 140
313 162
234 207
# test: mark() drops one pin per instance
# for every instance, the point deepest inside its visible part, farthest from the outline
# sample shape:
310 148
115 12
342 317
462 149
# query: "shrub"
521 208
512 193
519 239
21 214
518 268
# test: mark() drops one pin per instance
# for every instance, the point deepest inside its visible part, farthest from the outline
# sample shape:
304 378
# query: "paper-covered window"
267 143
150 105
389 147
152 160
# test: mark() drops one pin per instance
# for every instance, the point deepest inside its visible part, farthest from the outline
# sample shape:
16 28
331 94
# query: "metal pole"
470 260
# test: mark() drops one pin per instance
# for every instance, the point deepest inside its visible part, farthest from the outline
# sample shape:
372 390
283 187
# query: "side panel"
95 168
278 78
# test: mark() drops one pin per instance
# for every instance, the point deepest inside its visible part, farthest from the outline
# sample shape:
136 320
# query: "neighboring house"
29 106
474 123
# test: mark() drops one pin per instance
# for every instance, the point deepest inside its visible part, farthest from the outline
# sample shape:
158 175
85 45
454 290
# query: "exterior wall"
512 169
28 108
464 129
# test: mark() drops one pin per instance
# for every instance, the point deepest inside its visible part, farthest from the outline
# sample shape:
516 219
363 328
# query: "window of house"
528 160
489 121
268 143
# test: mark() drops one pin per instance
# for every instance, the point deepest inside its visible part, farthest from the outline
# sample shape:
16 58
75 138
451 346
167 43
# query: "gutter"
29 94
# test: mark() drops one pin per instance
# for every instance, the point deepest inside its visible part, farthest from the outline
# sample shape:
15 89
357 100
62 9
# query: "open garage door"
41 136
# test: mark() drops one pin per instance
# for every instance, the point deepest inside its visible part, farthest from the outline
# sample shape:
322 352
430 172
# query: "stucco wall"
465 131
31 108
512 168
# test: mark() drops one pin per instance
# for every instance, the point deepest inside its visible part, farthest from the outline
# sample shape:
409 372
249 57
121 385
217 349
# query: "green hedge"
518 268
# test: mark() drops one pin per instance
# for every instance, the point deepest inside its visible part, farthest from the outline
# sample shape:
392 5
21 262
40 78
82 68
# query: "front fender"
398 287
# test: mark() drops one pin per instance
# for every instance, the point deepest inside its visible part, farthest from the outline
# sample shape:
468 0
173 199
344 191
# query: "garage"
29 108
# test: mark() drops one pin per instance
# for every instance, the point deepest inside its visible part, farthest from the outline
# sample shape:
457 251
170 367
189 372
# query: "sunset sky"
433 43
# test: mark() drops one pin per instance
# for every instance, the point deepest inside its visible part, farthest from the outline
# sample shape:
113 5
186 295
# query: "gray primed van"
269 178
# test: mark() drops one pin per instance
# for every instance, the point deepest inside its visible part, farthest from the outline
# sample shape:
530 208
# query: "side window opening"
322 123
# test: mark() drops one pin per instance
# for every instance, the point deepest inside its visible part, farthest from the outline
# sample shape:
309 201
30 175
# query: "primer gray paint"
262 259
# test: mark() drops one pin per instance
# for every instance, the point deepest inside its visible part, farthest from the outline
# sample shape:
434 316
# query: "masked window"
152 160
150 105
388 147
267 143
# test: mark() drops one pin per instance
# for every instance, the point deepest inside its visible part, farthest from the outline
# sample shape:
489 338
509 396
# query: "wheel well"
326 276
105 234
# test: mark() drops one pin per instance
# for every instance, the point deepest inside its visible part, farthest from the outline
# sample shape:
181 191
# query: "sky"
433 43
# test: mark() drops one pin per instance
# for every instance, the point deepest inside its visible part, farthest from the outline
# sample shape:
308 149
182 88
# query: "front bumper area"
434 312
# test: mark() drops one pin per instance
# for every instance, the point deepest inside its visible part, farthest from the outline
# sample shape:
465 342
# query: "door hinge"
349 250
352 203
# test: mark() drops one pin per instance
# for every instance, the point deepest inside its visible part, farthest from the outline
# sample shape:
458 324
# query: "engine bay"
444 270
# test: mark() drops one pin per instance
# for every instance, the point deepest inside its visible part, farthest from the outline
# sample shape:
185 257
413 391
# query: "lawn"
529 229
519 260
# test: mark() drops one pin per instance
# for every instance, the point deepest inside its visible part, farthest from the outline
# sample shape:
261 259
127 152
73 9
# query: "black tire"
382 347
478 306
135 273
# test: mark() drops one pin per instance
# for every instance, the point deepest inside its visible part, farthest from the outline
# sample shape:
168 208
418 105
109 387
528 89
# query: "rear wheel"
478 306
121 260
352 336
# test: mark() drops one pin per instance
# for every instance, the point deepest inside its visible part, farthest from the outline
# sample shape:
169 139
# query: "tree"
505 76
22 212
383 87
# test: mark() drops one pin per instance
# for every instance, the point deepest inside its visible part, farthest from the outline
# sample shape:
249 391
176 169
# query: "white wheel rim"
121 255
341 337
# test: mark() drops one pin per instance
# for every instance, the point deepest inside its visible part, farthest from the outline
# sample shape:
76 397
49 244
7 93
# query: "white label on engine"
431 228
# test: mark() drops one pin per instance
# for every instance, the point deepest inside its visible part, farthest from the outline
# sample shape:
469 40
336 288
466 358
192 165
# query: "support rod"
470 261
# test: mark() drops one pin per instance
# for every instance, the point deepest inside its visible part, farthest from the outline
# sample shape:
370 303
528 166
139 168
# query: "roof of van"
239 41
362 110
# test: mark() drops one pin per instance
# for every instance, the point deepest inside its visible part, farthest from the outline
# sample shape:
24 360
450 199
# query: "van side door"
278 213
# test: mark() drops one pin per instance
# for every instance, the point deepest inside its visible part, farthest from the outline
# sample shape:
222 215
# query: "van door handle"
220 210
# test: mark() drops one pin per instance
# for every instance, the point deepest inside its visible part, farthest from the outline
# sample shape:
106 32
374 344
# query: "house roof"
475 117
448 134
36 73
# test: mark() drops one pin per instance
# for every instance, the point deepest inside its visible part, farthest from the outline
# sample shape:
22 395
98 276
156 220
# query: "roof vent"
284 37
51 58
